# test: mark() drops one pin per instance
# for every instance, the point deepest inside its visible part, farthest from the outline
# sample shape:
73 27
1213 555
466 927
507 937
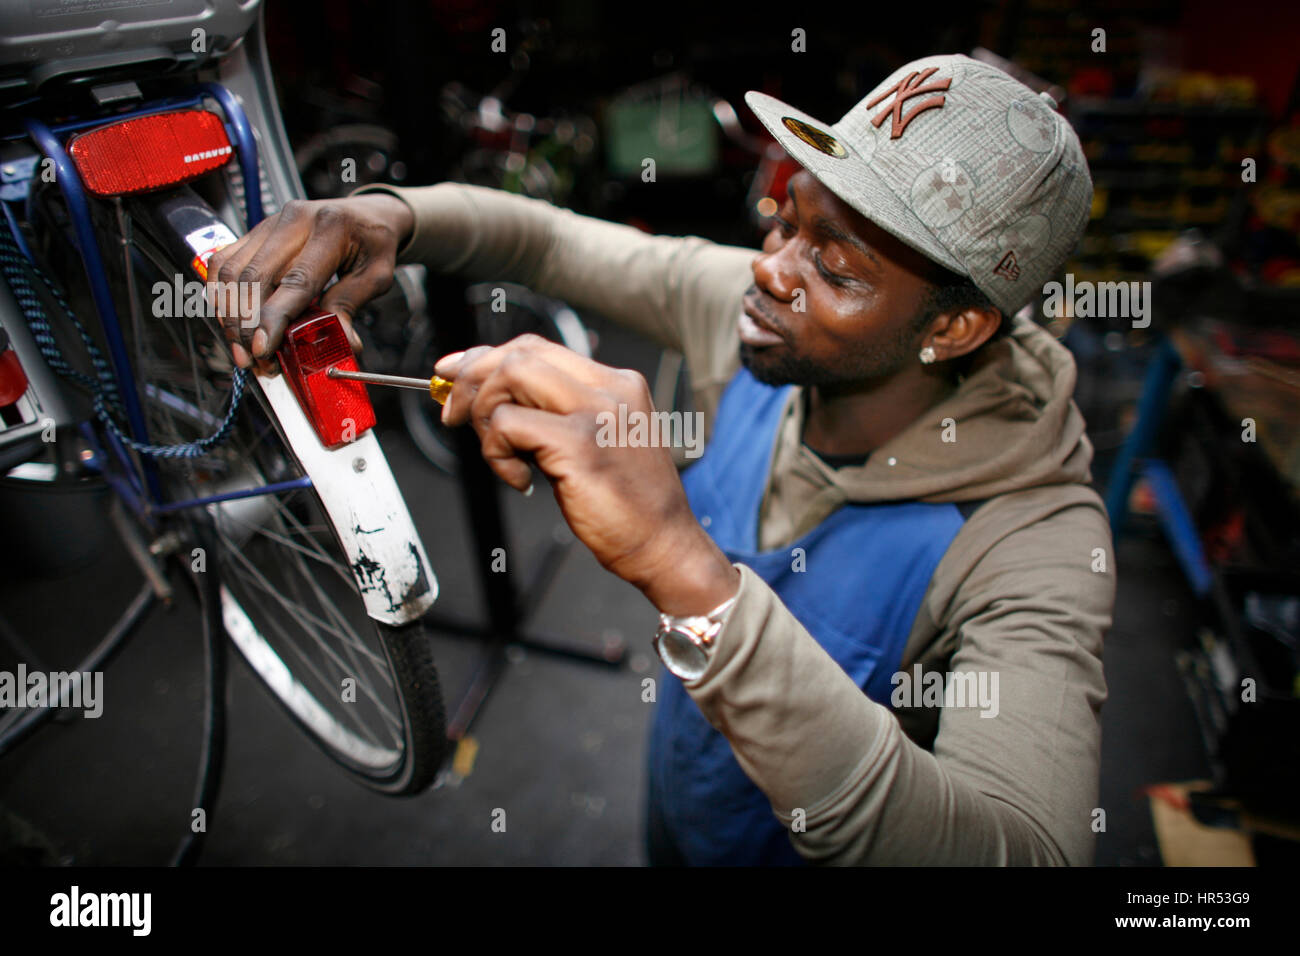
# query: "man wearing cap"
883 588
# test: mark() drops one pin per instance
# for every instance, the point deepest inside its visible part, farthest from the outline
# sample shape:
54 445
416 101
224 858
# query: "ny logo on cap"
911 85
1008 268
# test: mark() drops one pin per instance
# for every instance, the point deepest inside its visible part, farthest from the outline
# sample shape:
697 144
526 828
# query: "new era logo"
1007 268
911 85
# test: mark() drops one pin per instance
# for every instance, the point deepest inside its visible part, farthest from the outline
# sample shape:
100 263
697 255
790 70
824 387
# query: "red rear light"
13 380
150 152
339 410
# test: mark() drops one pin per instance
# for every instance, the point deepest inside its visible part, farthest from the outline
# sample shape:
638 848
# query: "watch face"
681 655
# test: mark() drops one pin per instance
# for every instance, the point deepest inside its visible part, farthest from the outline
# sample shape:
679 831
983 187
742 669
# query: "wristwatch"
685 644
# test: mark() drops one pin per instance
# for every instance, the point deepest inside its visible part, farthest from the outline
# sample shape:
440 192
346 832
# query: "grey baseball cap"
959 160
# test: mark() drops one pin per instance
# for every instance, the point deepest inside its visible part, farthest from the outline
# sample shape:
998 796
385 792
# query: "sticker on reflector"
150 152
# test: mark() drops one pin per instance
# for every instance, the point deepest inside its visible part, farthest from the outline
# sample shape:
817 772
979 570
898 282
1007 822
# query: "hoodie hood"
1012 422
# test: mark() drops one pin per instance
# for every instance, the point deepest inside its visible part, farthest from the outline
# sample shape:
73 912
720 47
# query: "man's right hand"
293 254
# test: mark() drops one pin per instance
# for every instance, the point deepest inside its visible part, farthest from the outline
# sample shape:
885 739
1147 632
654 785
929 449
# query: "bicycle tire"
413 666
317 160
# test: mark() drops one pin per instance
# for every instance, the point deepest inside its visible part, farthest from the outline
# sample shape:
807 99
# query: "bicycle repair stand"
505 607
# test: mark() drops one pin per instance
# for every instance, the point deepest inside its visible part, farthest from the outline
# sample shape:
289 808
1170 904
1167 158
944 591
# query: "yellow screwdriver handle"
440 389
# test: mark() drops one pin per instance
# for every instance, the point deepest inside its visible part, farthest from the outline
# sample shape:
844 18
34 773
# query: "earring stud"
927 355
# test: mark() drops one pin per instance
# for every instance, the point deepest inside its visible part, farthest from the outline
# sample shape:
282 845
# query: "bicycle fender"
366 507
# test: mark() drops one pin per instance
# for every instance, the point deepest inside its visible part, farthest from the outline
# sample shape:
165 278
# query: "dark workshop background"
1207 550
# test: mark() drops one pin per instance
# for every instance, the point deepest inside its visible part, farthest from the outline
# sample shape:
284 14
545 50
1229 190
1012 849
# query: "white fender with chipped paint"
366 507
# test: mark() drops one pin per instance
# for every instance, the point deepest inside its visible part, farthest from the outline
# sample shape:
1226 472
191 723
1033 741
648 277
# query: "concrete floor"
560 742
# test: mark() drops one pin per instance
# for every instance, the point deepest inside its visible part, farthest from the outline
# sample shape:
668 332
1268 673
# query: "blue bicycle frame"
145 497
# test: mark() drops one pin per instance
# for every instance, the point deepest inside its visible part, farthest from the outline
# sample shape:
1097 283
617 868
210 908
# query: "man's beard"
855 369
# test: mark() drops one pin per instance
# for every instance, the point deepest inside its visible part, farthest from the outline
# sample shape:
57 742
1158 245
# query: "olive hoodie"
1023 595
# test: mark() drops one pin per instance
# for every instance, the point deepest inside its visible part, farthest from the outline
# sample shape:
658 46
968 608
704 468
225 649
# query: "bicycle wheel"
365 692
498 319
372 149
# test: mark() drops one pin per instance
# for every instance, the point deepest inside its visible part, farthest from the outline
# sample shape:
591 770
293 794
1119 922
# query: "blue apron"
865 570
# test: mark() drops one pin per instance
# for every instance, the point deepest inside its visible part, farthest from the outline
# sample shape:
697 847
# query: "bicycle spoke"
331 686
344 573
357 669
297 611
324 601
273 621
260 529
376 661
305 618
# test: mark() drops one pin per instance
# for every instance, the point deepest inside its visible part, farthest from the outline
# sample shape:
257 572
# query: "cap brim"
849 176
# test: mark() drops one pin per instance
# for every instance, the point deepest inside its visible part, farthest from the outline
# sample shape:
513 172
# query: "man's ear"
962 331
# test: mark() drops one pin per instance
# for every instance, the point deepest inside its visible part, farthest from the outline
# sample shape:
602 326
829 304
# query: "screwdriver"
438 387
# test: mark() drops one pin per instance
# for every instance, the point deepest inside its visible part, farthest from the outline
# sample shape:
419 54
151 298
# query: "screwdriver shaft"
437 387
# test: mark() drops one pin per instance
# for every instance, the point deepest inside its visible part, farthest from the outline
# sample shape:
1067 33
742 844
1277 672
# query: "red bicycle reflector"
150 152
13 380
338 409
